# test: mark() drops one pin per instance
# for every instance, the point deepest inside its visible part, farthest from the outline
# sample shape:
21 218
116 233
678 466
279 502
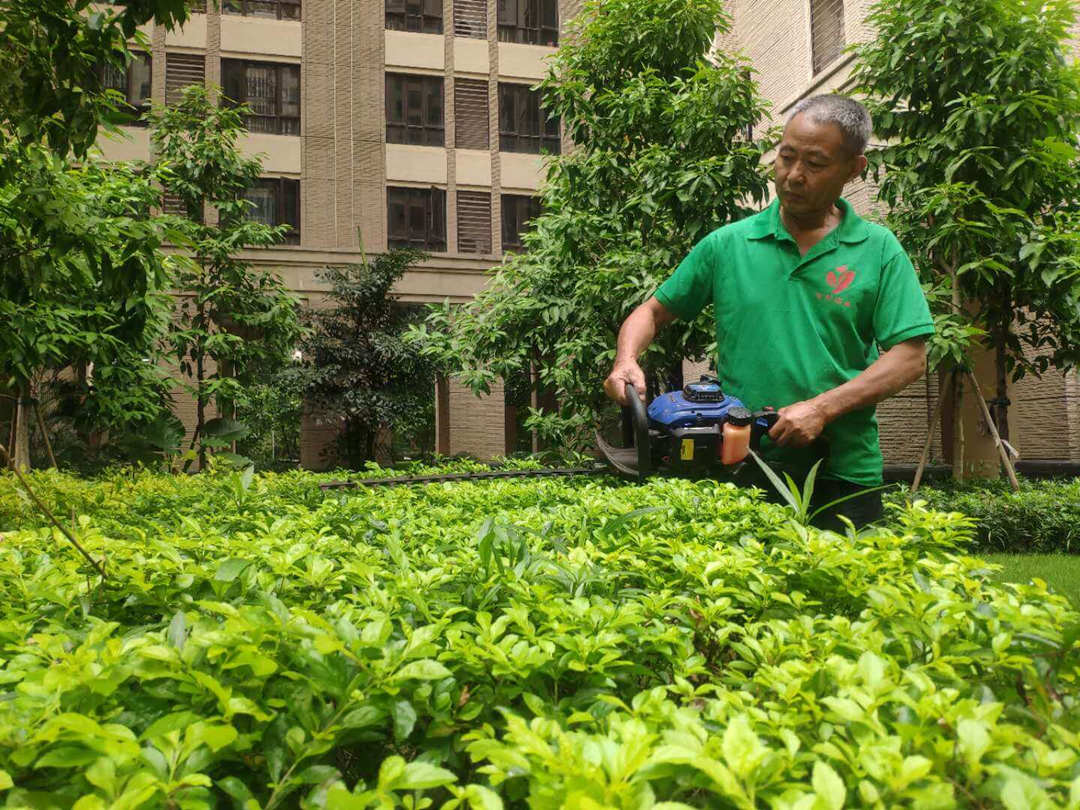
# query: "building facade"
389 123
382 123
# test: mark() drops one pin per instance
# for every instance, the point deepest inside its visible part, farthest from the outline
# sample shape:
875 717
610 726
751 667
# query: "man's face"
812 166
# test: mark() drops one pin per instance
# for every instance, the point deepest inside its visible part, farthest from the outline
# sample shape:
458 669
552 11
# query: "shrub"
543 643
1044 516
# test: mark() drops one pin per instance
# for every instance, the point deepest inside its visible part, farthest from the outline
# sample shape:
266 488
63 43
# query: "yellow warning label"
687 451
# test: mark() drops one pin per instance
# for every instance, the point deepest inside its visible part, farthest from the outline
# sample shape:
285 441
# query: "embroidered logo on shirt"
838 280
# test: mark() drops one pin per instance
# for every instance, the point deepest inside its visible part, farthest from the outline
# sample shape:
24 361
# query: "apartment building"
411 122
383 123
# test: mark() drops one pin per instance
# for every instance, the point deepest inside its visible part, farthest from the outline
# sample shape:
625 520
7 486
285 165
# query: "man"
804 294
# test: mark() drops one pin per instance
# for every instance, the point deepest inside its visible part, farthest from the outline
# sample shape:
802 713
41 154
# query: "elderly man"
805 292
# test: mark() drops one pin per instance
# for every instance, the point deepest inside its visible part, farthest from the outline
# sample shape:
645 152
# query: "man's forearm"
893 371
639 329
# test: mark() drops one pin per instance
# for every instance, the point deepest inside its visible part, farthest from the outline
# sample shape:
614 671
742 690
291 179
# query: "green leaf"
743 750
974 740
177 632
230 569
828 786
404 719
423 775
425 669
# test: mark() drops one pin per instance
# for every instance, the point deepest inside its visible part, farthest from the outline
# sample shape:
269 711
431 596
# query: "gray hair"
846 113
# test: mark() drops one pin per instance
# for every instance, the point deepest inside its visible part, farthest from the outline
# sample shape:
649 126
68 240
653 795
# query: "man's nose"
796 176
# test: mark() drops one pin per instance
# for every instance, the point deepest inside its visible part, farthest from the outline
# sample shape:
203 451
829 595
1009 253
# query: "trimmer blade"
623 459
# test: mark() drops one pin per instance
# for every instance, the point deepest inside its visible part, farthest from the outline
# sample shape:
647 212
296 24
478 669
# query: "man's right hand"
621 374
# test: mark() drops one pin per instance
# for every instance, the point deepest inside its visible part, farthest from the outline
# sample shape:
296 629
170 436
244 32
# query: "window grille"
523 125
134 83
276 201
272 9
471 114
474 221
418 16
414 109
517 211
271 90
416 217
182 70
533 22
470 18
826 32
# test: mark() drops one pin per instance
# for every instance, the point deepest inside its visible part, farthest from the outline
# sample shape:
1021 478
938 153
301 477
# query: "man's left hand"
798 425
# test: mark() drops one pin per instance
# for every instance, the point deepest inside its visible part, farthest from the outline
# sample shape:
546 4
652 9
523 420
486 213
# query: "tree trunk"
1001 403
21 454
200 408
200 396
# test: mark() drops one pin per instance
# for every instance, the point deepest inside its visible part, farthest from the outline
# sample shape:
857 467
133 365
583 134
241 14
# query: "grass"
1060 571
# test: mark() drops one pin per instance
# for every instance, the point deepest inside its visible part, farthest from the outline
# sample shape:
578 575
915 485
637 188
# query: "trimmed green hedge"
1044 516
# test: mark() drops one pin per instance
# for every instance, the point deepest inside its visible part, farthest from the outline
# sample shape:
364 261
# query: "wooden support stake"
45 435
99 566
930 436
994 432
14 426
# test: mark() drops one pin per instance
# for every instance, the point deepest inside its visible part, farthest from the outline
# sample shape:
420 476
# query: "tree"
661 157
980 114
82 280
62 254
361 369
51 91
231 320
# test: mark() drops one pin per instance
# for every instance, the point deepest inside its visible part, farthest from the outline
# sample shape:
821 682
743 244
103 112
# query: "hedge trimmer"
697 432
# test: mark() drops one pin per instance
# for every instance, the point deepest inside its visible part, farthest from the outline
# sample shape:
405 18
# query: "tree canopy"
661 156
232 320
360 369
51 89
978 110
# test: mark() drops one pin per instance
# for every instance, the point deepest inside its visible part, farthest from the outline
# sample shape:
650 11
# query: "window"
523 126
474 221
471 112
277 202
470 18
414 109
517 210
182 70
274 9
133 83
271 90
416 217
826 32
534 22
420 16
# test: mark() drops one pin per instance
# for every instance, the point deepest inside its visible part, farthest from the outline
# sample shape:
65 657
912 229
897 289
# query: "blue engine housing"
674 410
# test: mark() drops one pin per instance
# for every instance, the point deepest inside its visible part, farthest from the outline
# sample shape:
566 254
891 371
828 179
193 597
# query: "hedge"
516 645
1043 517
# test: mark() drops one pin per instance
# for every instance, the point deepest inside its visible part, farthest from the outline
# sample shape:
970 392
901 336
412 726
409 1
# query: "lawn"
1060 571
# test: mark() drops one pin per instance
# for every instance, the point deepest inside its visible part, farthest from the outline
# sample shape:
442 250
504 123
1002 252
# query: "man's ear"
860 167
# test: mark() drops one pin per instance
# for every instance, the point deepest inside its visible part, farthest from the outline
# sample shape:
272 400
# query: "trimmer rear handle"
640 419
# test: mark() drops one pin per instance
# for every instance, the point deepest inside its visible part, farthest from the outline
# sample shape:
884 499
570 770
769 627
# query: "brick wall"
477 424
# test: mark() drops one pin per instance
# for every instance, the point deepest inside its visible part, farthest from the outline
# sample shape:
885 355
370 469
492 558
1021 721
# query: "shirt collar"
852 228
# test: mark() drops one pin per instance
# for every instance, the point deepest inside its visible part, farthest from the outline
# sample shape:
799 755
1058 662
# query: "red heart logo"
840 279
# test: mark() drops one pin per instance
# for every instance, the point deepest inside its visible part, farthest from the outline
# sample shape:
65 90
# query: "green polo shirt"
789 327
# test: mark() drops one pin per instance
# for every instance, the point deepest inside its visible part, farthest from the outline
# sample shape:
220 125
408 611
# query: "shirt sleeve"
901 311
690 288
